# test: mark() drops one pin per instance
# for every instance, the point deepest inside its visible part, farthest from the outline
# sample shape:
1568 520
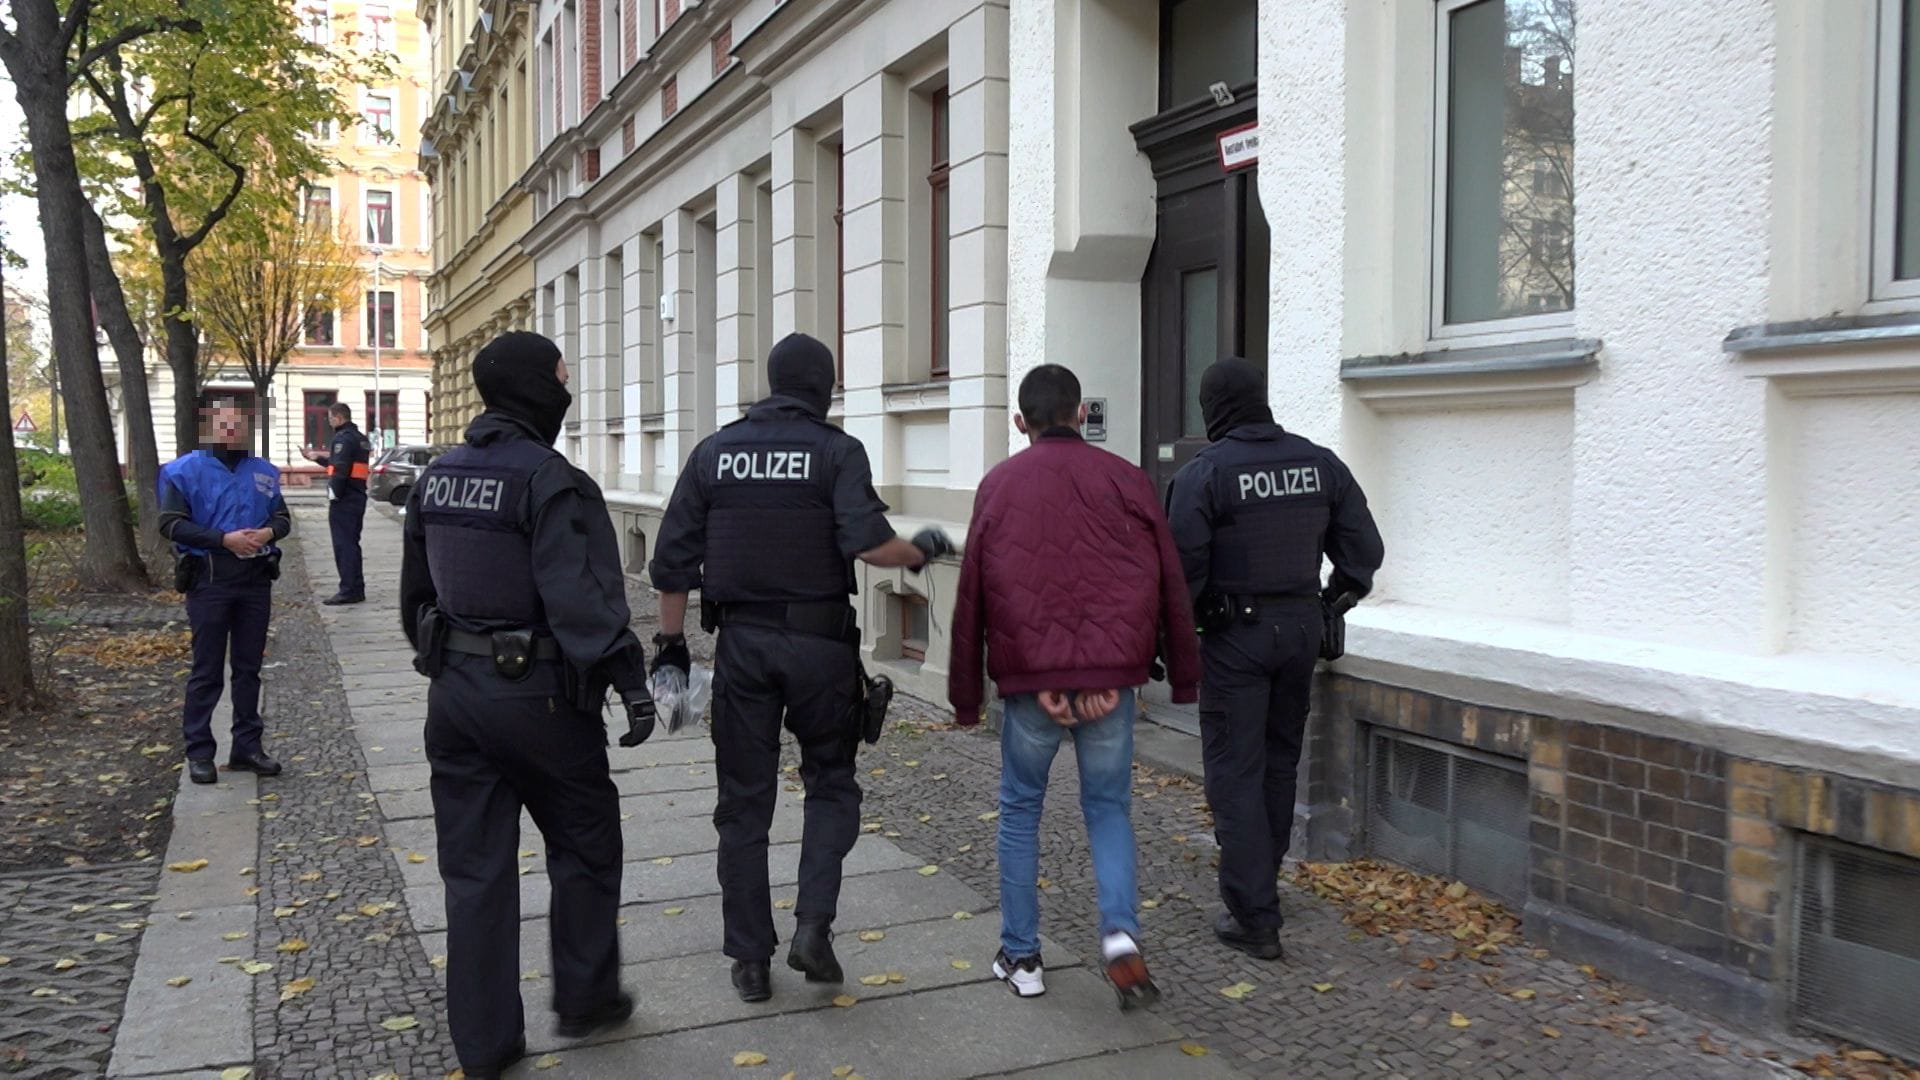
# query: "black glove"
1156 668
640 716
672 653
933 543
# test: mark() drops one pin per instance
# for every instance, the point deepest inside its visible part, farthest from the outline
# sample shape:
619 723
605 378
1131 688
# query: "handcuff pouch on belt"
1212 613
187 570
430 642
513 653
872 696
1333 627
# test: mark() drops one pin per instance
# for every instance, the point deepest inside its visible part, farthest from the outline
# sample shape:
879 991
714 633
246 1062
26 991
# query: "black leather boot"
812 953
754 980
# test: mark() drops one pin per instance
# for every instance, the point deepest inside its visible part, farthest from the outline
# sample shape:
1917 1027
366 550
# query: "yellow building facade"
474 146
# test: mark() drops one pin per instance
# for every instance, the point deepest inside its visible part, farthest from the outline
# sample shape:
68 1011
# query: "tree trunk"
16 658
37 64
264 421
183 355
143 454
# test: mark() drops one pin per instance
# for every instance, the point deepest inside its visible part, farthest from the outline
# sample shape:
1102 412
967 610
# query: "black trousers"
762 678
495 746
229 619
345 516
1254 696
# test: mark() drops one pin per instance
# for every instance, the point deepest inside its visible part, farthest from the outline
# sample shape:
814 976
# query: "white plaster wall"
1673 220
1855 541
1469 534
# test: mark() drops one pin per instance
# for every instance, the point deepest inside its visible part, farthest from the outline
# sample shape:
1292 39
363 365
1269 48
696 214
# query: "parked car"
393 472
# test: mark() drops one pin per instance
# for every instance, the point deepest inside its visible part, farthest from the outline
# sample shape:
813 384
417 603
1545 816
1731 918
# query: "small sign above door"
1240 147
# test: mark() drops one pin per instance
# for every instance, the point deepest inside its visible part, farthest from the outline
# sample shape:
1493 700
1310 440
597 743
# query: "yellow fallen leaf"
895 977
256 967
873 980
65 963
187 866
1237 991
251 890
311 875
843 1071
103 938
664 860
789 1075
673 911
746 1058
45 991
1193 1049
546 1061
1321 988
1457 891
1459 1021
877 772
962 965
5 960
911 764
238 1072
1550 1032
399 1023
783 903
438 960
456 1074
872 935
292 945
369 910
295 988
846 1001
416 858
235 935
929 870
179 980
365 841
1149 904
963 915
990 815
1522 995
283 912
526 853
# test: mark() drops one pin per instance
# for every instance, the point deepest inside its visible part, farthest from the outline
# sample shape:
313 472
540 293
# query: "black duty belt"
462 641
1275 598
834 619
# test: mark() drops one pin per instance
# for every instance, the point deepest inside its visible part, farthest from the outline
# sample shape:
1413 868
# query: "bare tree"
257 285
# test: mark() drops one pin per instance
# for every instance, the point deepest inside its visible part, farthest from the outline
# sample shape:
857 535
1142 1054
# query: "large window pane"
1208 41
1906 253
1509 162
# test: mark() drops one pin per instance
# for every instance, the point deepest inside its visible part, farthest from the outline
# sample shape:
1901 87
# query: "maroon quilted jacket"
1069 577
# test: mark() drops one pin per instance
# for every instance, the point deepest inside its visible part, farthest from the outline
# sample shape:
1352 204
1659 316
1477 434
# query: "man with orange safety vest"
347 460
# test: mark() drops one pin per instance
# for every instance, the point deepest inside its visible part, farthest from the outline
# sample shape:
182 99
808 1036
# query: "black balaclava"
515 376
800 367
1233 392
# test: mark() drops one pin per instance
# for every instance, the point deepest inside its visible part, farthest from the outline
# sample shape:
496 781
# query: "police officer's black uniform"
766 521
511 591
1252 514
347 460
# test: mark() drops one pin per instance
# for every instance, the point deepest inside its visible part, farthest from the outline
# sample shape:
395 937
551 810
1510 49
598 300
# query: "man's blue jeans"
1104 749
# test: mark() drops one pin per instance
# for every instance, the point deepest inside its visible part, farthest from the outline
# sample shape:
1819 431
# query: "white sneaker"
1127 971
1025 976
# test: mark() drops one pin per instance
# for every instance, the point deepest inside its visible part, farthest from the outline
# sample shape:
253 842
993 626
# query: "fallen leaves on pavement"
1382 899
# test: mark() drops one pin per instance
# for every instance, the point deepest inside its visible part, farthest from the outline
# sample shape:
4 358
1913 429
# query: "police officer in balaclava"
512 594
1252 514
765 522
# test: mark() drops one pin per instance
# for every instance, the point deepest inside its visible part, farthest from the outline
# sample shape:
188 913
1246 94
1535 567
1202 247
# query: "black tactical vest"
473 503
1272 500
770 523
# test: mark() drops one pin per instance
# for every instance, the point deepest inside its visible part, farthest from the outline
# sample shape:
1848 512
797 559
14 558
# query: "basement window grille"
1448 810
1856 970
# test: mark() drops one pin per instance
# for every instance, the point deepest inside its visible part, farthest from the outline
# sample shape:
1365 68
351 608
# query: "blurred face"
560 370
224 425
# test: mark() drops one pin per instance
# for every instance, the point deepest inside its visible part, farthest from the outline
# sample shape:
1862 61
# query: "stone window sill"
1839 354
933 395
1533 373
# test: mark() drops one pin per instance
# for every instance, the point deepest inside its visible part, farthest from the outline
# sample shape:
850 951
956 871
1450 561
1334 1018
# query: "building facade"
1645 657
476 144
377 346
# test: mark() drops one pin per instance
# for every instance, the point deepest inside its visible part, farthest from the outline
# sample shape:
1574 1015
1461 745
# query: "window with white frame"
318 207
379 227
1503 184
379 325
1896 225
377 21
316 24
377 118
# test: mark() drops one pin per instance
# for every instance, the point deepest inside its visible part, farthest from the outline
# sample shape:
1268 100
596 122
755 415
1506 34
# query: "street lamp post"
379 430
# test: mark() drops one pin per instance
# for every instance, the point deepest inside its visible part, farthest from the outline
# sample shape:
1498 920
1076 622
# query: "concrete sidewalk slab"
216 1006
219 823
947 1034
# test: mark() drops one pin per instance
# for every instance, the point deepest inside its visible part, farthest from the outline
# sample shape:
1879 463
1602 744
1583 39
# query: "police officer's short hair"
1050 396
340 409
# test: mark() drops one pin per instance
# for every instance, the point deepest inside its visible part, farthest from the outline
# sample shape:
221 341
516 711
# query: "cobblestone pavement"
326 875
67 944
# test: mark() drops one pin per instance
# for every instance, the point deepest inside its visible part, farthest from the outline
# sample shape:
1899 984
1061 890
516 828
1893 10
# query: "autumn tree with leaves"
259 279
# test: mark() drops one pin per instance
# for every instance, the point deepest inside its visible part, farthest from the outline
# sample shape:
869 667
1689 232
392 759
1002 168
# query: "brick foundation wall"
1677 849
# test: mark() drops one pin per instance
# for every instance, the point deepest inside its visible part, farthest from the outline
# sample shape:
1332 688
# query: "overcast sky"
17 215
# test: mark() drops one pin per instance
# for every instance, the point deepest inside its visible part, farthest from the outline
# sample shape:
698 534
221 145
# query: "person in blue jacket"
222 509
